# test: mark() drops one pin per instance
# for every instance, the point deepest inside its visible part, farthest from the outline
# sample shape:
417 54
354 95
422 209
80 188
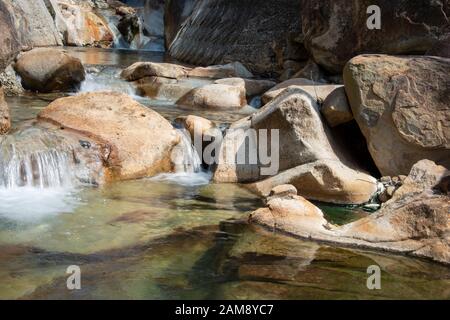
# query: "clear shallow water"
177 236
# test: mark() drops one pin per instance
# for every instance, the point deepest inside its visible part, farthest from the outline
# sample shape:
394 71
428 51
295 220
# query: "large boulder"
414 222
5 120
260 34
317 90
139 141
229 70
33 22
320 168
175 13
401 108
79 24
9 39
47 70
336 31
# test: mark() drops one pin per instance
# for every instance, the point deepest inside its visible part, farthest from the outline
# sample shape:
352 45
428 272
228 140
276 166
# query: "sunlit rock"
399 105
47 70
139 139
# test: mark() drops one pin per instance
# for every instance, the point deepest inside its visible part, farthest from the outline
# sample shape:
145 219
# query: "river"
176 236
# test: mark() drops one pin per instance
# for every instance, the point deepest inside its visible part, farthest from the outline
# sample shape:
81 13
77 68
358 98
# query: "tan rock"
140 70
230 70
283 190
47 70
215 96
5 120
323 180
34 24
397 103
336 108
318 91
195 125
140 140
414 222
163 88
309 158
294 215
79 24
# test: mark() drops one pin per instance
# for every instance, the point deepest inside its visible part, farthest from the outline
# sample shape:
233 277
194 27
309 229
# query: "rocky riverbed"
227 173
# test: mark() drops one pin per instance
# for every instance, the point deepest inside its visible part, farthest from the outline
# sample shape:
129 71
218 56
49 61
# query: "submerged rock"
5 120
140 140
414 222
48 70
336 31
399 105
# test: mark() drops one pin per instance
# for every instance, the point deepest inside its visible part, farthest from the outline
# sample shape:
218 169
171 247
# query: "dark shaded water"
176 238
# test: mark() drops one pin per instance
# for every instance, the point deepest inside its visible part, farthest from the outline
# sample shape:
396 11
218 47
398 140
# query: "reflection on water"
176 235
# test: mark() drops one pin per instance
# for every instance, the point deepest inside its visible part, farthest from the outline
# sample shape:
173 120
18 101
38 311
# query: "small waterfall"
188 165
33 159
188 160
107 79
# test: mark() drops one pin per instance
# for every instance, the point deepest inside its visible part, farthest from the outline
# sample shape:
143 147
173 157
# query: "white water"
107 80
188 165
28 204
33 159
37 176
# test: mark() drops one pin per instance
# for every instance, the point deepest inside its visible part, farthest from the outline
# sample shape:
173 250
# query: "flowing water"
172 236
